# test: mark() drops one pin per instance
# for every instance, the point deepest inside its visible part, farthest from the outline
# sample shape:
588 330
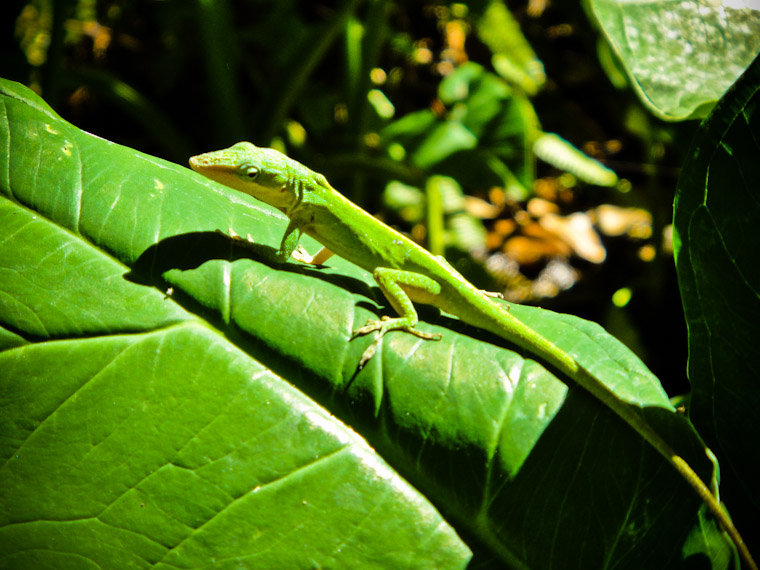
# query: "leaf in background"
166 432
716 221
408 201
457 86
681 56
409 129
561 154
503 121
441 142
485 139
513 57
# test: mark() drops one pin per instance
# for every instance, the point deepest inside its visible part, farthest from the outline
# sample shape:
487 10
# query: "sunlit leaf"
681 56
165 394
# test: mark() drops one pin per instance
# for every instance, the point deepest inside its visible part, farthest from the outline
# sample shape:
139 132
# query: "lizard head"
263 173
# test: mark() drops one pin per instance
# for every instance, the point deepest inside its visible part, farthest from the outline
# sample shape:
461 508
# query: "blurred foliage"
431 115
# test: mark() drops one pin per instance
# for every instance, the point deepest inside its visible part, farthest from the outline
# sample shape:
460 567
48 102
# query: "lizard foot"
385 325
233 235
300 254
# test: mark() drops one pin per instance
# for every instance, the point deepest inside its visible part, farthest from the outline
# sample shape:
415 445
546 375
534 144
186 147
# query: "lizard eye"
251 172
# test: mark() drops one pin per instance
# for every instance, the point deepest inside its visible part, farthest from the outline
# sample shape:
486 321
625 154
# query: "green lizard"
406 273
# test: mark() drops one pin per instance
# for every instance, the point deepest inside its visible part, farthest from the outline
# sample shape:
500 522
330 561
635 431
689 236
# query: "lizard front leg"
289 248
395 285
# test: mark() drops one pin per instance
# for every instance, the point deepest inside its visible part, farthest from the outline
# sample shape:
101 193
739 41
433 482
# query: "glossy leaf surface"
167 394
716 222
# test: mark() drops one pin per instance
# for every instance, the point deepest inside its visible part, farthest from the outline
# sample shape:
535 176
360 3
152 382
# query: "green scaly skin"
407 274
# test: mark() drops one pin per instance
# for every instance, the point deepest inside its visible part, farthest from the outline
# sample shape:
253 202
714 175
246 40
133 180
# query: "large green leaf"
134 434
160 382
681 56
717 216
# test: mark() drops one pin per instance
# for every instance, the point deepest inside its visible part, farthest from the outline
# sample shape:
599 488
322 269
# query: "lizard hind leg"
394 283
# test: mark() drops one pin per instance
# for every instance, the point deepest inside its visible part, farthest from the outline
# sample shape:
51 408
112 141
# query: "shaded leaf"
717 212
